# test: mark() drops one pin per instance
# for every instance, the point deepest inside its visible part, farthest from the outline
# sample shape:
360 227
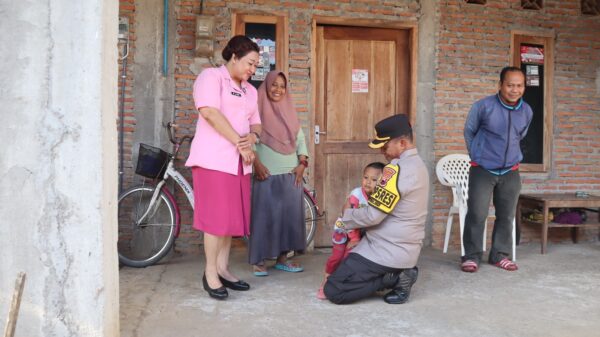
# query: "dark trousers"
356 278
505 191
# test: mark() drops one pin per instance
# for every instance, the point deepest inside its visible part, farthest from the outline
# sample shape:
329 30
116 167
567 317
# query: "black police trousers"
356 278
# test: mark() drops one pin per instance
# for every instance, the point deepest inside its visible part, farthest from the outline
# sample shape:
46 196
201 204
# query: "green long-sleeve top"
278 163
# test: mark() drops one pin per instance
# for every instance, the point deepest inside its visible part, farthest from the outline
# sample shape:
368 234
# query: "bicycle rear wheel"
143 243
310 217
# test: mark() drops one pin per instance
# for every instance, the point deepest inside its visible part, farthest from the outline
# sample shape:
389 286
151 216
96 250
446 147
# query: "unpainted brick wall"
474 45
127 9
300 14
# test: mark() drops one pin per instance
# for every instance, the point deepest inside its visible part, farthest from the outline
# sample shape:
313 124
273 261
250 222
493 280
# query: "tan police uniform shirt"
395 239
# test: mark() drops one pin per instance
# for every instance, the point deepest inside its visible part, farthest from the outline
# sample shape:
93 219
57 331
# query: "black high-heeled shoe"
237 285
219 293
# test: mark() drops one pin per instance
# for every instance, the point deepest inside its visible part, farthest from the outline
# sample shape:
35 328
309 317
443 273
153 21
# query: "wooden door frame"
354 22
281 21
545 39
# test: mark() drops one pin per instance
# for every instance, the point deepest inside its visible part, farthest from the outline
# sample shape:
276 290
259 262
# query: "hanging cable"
123 58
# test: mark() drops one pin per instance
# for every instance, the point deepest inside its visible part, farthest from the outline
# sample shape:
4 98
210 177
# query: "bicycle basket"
152 161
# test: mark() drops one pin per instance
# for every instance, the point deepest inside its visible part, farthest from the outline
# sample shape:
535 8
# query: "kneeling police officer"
394 223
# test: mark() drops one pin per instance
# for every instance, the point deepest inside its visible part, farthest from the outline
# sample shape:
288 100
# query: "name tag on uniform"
236 94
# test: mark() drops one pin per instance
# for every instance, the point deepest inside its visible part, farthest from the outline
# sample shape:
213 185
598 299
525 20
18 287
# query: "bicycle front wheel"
143 242
310 217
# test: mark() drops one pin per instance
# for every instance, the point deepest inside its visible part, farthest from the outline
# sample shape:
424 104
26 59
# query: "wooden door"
347 115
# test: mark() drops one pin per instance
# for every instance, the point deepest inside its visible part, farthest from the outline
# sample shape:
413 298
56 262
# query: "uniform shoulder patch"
386 194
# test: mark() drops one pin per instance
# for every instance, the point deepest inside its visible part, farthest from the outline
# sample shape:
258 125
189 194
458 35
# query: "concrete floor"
556 294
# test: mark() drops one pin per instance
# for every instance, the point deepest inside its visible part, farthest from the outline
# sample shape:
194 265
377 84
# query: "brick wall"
474 44
127 9
300 14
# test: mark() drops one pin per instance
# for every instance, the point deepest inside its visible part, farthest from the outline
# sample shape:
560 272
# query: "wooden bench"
544 202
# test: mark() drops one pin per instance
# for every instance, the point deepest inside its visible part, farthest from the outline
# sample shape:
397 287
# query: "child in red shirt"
343 242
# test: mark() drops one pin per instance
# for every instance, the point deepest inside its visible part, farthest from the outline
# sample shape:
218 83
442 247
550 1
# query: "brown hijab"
279 119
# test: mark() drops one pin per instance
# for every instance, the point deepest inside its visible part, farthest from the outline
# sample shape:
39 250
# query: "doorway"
362 75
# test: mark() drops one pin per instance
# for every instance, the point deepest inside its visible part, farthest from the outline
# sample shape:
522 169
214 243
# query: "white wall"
58 165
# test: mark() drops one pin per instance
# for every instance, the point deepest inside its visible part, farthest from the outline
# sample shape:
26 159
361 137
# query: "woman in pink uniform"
221 159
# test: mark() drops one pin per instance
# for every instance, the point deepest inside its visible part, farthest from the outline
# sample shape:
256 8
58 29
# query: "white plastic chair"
453 171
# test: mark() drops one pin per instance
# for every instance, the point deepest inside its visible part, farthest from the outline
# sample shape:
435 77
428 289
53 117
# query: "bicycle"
148 214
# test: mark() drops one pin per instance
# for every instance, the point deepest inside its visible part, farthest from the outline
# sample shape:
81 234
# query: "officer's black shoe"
389 281
401 292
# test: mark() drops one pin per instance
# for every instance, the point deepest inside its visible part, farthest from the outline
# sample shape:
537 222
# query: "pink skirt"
221 202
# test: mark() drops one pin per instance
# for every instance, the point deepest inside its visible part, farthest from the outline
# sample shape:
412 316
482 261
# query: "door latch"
318 134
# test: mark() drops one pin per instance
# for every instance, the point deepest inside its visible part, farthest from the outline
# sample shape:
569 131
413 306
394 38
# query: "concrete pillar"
152 90
58 165
428 22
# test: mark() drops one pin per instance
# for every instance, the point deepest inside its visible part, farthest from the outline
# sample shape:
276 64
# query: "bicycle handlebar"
173 139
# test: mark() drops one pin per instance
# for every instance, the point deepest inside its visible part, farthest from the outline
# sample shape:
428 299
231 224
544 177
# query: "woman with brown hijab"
277 226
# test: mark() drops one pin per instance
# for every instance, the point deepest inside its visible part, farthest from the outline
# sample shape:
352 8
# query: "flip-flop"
469 266
261 272
506 264
289 267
